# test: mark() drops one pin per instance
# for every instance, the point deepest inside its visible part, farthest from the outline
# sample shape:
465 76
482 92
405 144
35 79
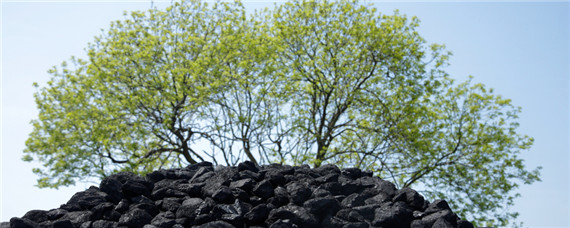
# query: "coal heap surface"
248 195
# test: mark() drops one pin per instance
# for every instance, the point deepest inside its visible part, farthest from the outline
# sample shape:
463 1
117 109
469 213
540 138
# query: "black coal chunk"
248 195
135 218
37 216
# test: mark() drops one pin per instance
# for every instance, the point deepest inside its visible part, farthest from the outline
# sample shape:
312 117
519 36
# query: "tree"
369 94
141 99
307 82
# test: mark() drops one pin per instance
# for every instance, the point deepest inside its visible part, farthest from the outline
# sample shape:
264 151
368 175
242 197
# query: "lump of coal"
245 196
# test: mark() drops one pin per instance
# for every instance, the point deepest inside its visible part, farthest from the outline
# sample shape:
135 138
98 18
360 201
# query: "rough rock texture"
245 196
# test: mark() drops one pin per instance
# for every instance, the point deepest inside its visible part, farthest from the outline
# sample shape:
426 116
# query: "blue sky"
521 49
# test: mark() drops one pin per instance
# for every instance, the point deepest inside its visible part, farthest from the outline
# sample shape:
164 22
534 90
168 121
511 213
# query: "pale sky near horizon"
521 49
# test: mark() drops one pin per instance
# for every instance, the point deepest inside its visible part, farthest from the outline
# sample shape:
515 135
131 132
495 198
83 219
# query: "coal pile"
248 195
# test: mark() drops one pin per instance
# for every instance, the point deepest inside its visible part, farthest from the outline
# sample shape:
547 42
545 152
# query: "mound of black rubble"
245 196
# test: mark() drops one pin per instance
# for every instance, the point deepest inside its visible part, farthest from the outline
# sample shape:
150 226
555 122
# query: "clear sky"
521 49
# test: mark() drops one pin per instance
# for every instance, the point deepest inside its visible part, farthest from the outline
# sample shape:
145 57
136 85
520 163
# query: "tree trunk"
246 149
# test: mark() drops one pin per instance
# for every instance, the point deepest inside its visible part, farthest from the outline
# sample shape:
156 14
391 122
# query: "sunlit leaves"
371 93
308 82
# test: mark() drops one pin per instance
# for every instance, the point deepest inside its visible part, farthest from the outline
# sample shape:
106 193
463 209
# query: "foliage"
307 82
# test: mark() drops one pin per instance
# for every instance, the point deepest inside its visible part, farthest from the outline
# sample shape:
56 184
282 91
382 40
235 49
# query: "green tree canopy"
304 83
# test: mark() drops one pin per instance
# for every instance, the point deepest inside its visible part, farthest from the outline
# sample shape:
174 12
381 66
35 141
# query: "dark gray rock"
65 224
367 211
141 200
241 207
204 218
377 199
350 215
280 197
112 186
104 224
419 224
221 209
235 220
327 169
189 208
145 204
257 214
85 200
323 206
193 201
296 214
263 189
185 174
244 184
442 223
245 174
55 213
464 224
22 223
276 178
206 206
333 222
334 188
168 183
248 195
133 188
396 215
283 169
435 206
203 174
216 224
320 192
170 204
283 223
352 200
77 217
240 195
387 187
165 192
105 211
299 192
248 165
122 206
411 197
157 176
135 218
36 216
446 215
356 225
195 167
353 173
223 195
193 190
163 220
223 176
